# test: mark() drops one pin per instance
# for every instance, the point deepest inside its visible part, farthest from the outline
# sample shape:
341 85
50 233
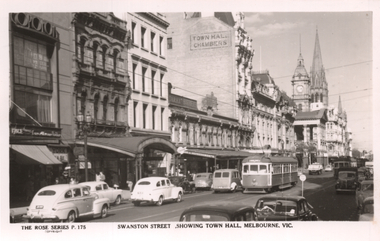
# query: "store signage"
64 158
210 40
28 21
31 132
182 101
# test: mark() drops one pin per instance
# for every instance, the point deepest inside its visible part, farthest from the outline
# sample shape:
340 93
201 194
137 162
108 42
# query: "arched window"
316 97
104 59
116 109
96 106
81 50
94 52
115 54
312 98
105 105
321 97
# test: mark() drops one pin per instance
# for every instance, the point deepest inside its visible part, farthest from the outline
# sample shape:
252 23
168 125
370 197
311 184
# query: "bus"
268 174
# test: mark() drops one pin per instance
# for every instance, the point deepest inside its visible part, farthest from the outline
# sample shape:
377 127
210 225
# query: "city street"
319 190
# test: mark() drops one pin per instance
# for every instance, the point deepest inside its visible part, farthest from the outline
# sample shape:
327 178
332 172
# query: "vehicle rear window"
226 174
143 183
218 174
47 193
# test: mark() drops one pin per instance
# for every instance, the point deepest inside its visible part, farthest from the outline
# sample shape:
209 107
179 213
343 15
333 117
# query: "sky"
346 45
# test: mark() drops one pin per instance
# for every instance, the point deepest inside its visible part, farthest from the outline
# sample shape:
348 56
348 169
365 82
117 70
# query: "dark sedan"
290 208
226 212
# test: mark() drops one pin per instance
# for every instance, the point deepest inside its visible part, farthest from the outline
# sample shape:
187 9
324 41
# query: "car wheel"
104 211
268 190
233 190
160 201
70 217
179 198
118 200
136 203
216 191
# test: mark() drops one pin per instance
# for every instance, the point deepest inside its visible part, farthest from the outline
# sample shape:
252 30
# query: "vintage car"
181 181
328 168
288 208
66 202
364 190
155 190
224 212
315 168
347 180
226 180
103 190
367 211
203 180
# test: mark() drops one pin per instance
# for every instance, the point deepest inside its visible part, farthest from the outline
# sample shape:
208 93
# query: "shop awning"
31 154
218 154
130 145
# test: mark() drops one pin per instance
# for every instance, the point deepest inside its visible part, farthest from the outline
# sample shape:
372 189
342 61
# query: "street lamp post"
84 125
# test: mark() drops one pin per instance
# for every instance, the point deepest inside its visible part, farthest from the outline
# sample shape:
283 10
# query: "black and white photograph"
170 120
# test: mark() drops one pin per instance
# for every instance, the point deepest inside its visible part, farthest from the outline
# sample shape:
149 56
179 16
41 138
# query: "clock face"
299 88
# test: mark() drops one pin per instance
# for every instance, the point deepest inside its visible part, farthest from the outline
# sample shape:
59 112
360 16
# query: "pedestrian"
56 180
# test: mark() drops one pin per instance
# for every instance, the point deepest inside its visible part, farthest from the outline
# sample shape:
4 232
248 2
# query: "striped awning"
32 154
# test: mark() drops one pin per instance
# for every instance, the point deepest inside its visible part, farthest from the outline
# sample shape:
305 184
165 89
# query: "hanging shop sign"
210 40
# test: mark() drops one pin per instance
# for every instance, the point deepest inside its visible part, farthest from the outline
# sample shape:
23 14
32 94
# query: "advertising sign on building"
210 40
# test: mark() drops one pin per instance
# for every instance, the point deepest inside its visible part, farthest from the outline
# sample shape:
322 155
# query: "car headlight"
96 196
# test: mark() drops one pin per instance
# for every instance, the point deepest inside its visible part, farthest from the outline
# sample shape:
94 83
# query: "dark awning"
130 145
218 154
31 154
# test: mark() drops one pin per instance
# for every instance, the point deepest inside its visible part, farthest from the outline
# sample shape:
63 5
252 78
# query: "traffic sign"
302 178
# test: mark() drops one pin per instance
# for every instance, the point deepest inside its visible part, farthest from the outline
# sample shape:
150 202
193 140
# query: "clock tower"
301 86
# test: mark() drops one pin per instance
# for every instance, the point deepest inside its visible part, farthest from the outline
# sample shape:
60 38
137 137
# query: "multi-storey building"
209 58
39 45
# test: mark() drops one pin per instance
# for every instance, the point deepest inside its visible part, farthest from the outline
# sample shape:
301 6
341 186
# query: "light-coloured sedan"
155 190
103 190
65 202
203 180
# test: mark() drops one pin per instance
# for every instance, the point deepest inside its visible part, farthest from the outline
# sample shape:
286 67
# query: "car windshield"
204 217
276 207
347 175
46 193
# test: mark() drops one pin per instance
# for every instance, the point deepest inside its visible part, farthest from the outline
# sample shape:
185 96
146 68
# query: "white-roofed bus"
261 173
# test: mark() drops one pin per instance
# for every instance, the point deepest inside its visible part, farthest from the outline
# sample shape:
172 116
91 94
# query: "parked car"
203 180
155 190
66 202
226 212
288 208
328 168
367 211
315 168
103 190
347 180
226 180
364 190
187 186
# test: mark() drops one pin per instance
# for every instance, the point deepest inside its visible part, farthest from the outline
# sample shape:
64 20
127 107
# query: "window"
133 32
253 168
105 186
98 187
162 118
104 55
152 80
94 54
116 109
161 45
143 31
163 183
135 105
143 78
152 42
68 194
134 67
154 109
32 69
105 107
96 106
158 184
225 174
161 79
77 192
145 114
168 182
170 43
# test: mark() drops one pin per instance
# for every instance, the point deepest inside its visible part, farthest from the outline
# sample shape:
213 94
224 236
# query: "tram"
261 173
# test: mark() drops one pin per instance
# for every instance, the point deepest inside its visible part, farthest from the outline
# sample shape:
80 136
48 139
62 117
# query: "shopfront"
126 159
